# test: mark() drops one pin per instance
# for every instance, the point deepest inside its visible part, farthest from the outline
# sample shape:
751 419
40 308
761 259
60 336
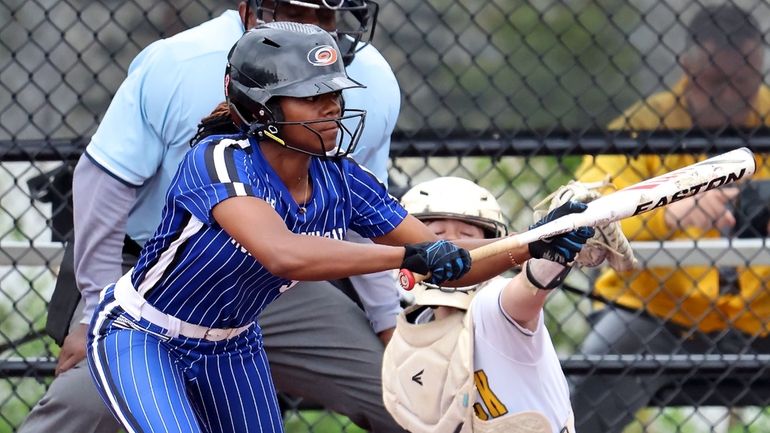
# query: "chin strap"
261 130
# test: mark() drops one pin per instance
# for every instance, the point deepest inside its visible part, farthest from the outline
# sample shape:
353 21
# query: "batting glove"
561 248
609 243
443 260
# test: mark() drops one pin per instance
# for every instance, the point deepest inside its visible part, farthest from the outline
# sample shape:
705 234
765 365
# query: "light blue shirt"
175 82
171 85
382 101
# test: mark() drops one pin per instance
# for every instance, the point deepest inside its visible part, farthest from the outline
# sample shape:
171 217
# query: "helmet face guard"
356 20
436 296
285 59
347 135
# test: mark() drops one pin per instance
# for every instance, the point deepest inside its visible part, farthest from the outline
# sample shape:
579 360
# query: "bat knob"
406 279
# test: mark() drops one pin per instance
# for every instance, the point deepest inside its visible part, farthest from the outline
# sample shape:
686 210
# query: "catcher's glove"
608 243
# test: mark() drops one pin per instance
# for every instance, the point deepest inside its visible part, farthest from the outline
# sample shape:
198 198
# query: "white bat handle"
552 228
558 226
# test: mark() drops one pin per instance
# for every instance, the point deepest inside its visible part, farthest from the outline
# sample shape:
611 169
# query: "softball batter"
174 345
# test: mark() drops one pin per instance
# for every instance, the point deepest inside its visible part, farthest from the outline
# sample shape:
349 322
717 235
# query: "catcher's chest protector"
522 422
428 381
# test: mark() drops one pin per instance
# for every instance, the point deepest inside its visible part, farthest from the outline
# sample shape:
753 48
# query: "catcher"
494 369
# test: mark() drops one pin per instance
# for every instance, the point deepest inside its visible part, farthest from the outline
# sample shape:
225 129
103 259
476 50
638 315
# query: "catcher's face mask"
435 296
351 22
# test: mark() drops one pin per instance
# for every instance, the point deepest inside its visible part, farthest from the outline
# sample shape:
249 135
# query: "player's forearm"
483 270
100 209
314 258
522 301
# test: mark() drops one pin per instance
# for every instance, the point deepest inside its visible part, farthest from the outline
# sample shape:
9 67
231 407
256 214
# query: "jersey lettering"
494 406
335 233
287 286
240 247
478 409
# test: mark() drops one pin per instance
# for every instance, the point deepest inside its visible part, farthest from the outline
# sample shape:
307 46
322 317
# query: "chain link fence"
516 96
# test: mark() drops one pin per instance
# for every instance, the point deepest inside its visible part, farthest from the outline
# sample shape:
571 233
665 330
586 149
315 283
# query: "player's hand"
561 248
609 242
73 350
705 211
443 260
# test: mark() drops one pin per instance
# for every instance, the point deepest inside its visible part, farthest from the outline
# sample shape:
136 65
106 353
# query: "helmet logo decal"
227 84
323 55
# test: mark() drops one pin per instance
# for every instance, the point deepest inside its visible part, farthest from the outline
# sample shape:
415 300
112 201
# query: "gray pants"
608 403
320 347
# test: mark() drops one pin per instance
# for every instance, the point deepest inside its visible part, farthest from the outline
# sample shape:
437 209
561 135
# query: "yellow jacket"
690 295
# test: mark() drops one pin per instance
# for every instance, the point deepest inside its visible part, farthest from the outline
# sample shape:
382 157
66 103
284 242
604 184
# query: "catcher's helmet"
459 199
355 20
287 59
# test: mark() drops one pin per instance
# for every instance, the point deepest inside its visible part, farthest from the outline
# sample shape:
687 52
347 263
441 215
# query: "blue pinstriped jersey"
192 269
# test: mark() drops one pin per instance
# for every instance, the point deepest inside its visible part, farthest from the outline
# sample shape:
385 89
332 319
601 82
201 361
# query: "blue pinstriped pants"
155 383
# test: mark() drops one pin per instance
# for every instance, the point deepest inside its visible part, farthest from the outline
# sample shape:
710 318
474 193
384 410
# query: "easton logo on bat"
688 192
663 178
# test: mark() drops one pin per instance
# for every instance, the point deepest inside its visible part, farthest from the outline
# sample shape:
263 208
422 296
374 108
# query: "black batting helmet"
287 59
355 20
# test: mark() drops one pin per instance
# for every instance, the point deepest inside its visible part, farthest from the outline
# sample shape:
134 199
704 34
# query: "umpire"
331 356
